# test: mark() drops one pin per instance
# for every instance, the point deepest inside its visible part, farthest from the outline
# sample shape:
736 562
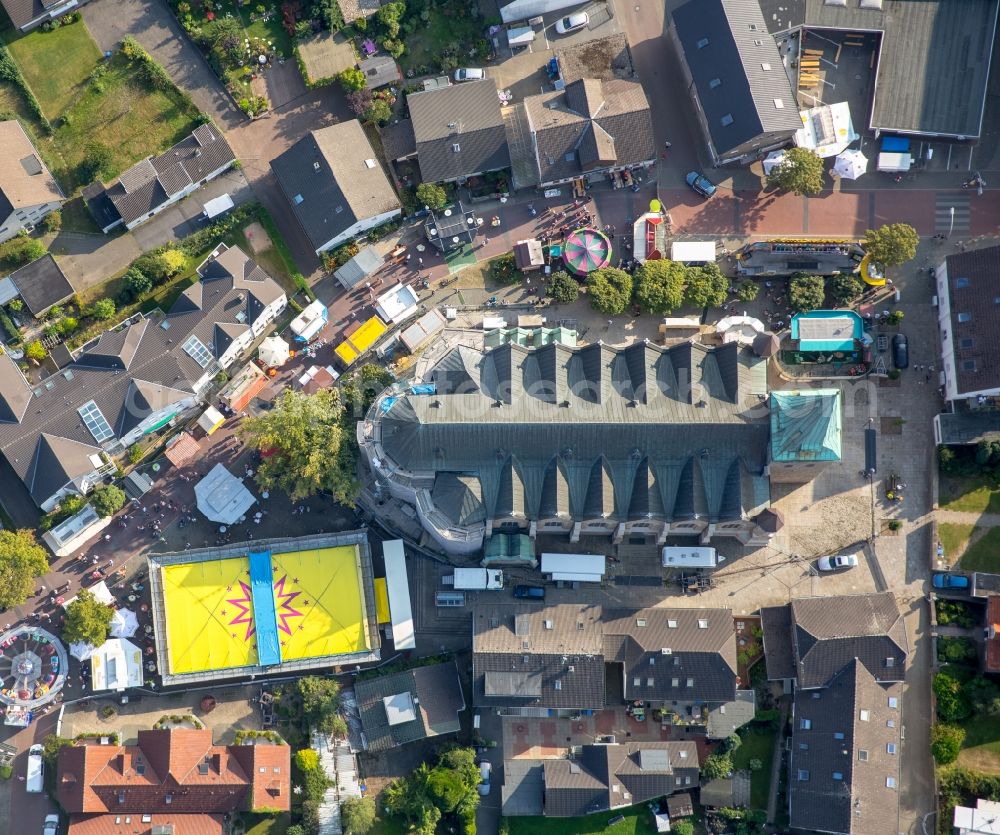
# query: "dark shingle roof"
56 462
15 393
968 427
833 786
22 12
96 197
776 621
727 41
592 124
398 140
466 116
332 179
973 287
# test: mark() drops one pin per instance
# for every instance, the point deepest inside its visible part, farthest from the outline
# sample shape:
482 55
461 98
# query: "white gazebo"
115 665
273 351
741 329
851 164
124 623
222 497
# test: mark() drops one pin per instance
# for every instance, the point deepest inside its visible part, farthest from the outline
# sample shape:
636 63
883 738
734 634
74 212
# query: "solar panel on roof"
95 422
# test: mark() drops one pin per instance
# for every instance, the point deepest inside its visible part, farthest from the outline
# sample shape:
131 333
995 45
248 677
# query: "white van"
36 771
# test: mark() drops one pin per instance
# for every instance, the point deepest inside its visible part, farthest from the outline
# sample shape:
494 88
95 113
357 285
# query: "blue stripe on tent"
264 616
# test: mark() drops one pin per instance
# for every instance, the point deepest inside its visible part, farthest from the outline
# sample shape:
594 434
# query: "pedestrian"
420 262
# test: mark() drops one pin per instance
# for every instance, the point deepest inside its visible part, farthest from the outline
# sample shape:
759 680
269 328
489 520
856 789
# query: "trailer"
574 568
475 579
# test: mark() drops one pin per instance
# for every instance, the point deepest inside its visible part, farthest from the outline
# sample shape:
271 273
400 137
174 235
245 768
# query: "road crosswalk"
951 213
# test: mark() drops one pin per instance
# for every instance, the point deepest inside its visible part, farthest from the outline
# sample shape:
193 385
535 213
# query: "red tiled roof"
993 634
143 824
164 774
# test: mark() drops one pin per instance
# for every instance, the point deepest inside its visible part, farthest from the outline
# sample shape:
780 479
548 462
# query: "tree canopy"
307 447
610 290
717 766
562 287
706 286
358 814
806 292
320 703
447 788
660 285
432 195
748 291
351 79
108 500
801 172
845 288
946 743
892 244
87 620
22 559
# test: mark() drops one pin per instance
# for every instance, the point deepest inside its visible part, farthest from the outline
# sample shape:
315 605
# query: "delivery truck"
475 579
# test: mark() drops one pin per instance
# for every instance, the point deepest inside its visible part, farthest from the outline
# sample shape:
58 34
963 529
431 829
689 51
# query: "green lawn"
983 554
56 64
981 749
388 826
450 28
757 746
638 821
974 494
267 825
954 537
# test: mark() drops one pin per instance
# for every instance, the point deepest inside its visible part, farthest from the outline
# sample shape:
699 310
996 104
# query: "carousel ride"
33 667
586 250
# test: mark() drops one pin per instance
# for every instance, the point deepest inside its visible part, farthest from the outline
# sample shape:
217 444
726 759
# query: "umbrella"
273 351
586 250
124 623
772 161
851 164
81 650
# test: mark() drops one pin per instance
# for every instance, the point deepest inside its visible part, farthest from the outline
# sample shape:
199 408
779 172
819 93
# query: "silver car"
837 563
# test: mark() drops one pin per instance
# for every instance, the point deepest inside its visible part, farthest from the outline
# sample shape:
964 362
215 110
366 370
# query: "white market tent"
577 568
397 303
222 497
115 665
398 588
693 252
100 591
742 329
689 557
826 129
273 351
124 624
310 321
851 164
772 161
523 9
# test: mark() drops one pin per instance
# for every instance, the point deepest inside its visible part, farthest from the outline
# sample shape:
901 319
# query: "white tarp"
222 497
523 9
100 591
398 589
397 303
894 162
310 321
124 624
689 557
693 251
742 329
582 568
826 129
115 665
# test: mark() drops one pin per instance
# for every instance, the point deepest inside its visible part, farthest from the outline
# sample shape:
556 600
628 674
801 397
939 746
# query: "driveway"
152 24
27 811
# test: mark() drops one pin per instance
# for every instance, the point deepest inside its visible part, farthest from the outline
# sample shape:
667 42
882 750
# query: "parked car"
838 562
484 772
700 183
529 592
51 825
900 351
572 22
470 74
950 581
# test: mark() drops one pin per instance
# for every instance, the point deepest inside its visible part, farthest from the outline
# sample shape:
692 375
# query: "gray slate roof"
969 427
358 268
591 125
533 425
776 622
379 71
606 777
437 696
733 56
154 181
833 787
329 182
523 788
981 270
398 140
41 285
465 115
22 12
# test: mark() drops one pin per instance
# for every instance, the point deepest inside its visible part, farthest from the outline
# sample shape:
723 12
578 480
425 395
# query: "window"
803 746
652 661
687 781
779 104
690 682
968 365
964 317
890 782
702 43
890 723
838 775
671 624
703 624
650 682
864 715
727 120
890 748
558 684
803 775
715 82
682 754
95 422
765 67
297 199
805 724
893 702
758 42
640 622
967 342
863 755
196 349
456 147
677 781
675 682
890 661
838 735
961 282
752 27
636 681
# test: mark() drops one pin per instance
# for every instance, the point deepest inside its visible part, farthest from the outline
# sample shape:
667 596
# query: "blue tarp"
895 144
264 616
424 388
387 403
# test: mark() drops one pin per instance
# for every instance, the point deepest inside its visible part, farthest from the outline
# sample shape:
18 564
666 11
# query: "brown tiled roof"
144 824
172 772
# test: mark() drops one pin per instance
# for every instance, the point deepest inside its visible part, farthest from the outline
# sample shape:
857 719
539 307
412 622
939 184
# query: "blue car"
700 183
950 581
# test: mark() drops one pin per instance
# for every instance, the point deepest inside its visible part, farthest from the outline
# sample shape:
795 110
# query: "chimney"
120 763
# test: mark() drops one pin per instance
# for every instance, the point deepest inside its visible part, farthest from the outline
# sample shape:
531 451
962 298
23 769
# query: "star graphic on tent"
224 612
229 588
305 602
295 580
232 634
285 609
245 606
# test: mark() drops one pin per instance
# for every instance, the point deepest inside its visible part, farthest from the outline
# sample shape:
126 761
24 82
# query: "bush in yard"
716 766
432 196
359 101
562 287
954 611
748 291
52 222
952 705
358 815
946 743
682 827
756 764
394 47
306 759
87 620
610 290
329 13
379 112
134 454
806 292
173 260
659 286
35 351
102 309
136 282
955 650
731 743
706 287
845 288
351 79
96 163
108 500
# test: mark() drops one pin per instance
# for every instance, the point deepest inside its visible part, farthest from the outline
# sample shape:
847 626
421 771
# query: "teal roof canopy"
827 330
805 425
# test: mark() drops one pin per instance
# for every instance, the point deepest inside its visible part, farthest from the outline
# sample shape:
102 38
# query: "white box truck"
36 771
475 579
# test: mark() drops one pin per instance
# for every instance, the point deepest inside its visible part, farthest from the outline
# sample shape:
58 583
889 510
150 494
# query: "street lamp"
951 222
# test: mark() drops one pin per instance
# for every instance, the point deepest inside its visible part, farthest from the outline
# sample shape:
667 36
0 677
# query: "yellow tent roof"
382 601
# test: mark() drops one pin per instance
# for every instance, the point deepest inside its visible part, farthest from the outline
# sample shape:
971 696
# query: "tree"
748 291
136 282
22 559
307 447
952 705
682 827
432 196
610 290
108 500
103 309
806 292
35 351
30 250
357 814
87 620
359 101
982 694
320 701
173 260
52 222
892 244
895 318
449 787
379 112
731 743
706 287
716 766
844 289
800 172
660 286
946 743
562 287
351 79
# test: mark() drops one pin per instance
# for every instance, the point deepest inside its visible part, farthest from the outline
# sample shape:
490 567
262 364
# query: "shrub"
351 79
52 222
108 500
136 282
716 766
756 764
35 351
952 704
946 743
610 290
135 454
379 112
504 269
845 288
102 309
96 163
432 196
9 328
748 291
306 759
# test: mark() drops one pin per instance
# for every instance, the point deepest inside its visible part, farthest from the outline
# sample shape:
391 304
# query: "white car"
51 825
838 562
572 22
484 772
470 74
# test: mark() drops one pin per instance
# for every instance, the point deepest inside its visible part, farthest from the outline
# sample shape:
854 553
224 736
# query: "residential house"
169 781
845 658
742 97
409 706
335 185
458 131
132 379
156 183
41 285
29 14
28 191
589 129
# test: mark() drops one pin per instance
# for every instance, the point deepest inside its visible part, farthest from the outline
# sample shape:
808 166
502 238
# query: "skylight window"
297 199
196 349
727 120
702 43
95 422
